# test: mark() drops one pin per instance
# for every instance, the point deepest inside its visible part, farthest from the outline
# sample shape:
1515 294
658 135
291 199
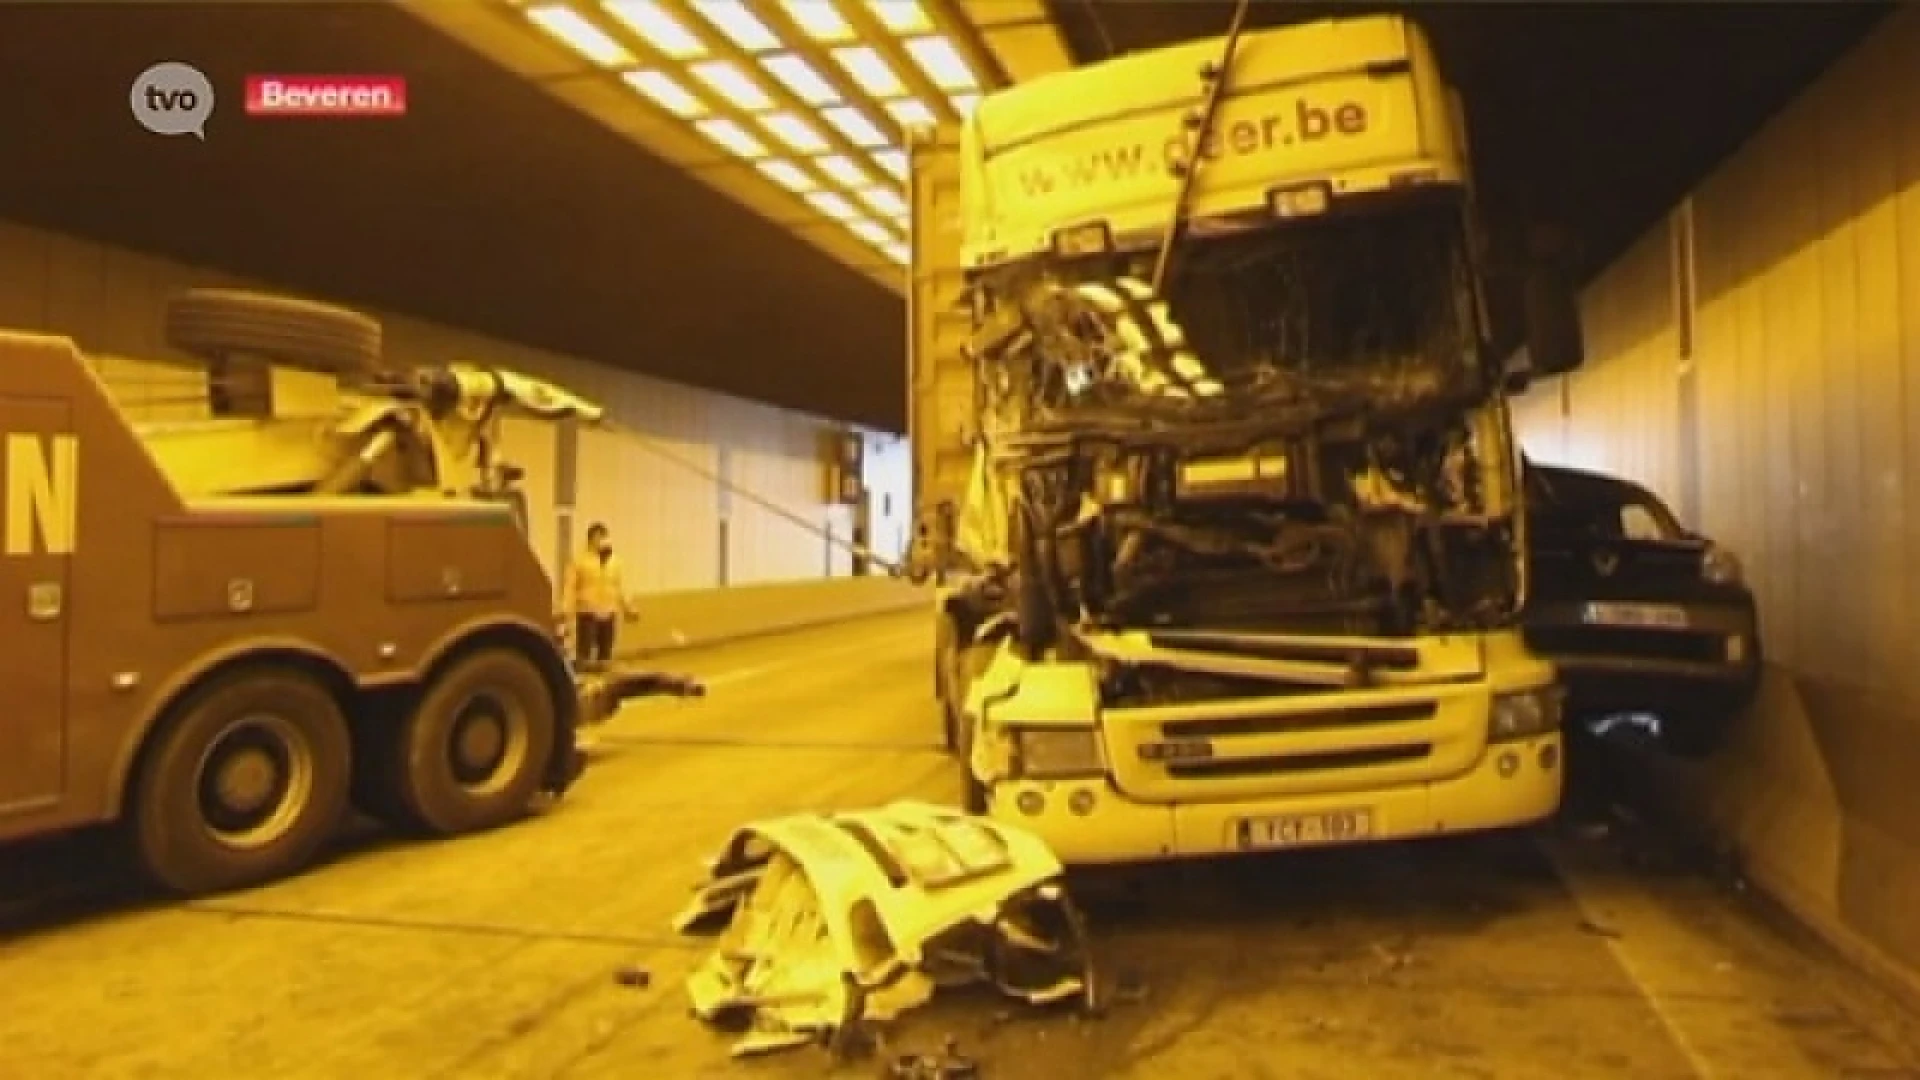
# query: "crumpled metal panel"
843 917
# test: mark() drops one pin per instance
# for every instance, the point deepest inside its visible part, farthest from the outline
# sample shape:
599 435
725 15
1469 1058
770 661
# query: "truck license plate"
1306 830
1657 616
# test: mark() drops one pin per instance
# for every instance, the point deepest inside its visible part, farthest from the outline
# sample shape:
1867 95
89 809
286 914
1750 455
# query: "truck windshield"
1381 303
1366 309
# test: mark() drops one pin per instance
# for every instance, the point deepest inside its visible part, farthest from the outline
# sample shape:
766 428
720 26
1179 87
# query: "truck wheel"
216 323
472 754
244 781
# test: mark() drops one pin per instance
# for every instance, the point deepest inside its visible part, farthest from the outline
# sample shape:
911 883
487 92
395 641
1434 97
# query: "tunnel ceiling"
495 206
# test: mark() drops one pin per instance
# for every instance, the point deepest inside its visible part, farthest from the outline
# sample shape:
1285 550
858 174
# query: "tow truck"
223 633
1213 459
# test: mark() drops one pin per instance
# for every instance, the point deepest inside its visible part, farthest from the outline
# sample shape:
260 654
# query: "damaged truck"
1214 465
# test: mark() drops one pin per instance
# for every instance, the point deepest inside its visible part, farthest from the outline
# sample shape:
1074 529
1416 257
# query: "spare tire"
214 324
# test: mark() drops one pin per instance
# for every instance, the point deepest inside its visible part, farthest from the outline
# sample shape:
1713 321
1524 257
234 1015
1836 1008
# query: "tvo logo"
172 98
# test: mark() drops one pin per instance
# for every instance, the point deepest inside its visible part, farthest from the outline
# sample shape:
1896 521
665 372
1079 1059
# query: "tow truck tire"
242 783
215 323
472 754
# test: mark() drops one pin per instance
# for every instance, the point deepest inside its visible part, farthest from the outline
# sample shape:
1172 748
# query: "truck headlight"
1720 566
1057 753
1524 715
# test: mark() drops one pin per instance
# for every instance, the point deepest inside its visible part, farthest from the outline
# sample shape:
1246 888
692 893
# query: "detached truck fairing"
1217 473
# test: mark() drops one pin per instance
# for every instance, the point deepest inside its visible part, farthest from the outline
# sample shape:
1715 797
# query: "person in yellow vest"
595 600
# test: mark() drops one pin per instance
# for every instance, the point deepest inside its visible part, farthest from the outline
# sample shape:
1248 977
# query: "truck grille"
1299 744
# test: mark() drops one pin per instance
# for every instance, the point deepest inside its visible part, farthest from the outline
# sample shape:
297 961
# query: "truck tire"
473 751
216 323
245 779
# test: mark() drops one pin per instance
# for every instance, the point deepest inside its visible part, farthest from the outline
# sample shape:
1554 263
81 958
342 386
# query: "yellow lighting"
900 16
942 63
661 30
910 113
732 136
732 18
795 132
885 201
573 30
797 76
856 127
819 19
665 93
844 171
733 84
832 205
787 175
869 70
871 233
893 161
964 104
896 252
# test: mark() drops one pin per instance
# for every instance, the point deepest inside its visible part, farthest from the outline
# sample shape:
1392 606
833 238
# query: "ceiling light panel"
901 16
573 30
796 133
798 76
833 205
870 70
843 171
664 91
819 20
733 84
787 175
651 23
812 93
942 63
732 137
735 19
855 126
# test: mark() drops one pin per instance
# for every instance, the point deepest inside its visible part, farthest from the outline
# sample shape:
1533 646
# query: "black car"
1641 615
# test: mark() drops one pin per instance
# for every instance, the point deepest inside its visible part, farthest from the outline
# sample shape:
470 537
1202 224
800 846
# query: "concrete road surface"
495 956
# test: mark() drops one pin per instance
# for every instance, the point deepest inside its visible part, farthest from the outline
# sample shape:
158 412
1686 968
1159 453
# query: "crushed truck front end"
1460 733
1241 535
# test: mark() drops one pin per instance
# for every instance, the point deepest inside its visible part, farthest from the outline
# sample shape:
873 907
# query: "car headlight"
1720 566
1524 715
1057 753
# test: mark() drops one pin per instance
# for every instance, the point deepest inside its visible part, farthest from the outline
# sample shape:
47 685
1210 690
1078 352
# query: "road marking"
807 657
1662 957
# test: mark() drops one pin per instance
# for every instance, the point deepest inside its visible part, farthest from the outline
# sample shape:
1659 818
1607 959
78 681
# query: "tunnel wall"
1756 358
654 496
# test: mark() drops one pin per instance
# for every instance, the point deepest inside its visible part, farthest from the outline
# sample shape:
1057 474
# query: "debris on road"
636 977
835 919
948 1064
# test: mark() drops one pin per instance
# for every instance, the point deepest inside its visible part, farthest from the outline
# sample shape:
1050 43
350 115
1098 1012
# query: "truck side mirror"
1555 344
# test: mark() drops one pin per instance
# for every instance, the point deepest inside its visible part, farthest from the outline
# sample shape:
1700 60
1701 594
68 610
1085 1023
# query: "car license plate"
1658 616
1306 830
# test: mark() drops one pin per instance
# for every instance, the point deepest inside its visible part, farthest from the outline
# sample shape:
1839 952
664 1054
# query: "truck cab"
1240 550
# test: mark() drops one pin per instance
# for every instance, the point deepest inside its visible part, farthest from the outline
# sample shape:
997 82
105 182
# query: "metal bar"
1215 92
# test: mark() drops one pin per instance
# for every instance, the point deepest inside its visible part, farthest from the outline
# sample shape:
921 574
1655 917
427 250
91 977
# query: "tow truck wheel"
217 323
243 782
473 752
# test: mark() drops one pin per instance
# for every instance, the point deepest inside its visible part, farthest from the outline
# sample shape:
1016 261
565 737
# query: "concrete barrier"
701 617
1815 796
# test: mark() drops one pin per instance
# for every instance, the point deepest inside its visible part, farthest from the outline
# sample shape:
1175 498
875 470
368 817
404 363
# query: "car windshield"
1568 503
